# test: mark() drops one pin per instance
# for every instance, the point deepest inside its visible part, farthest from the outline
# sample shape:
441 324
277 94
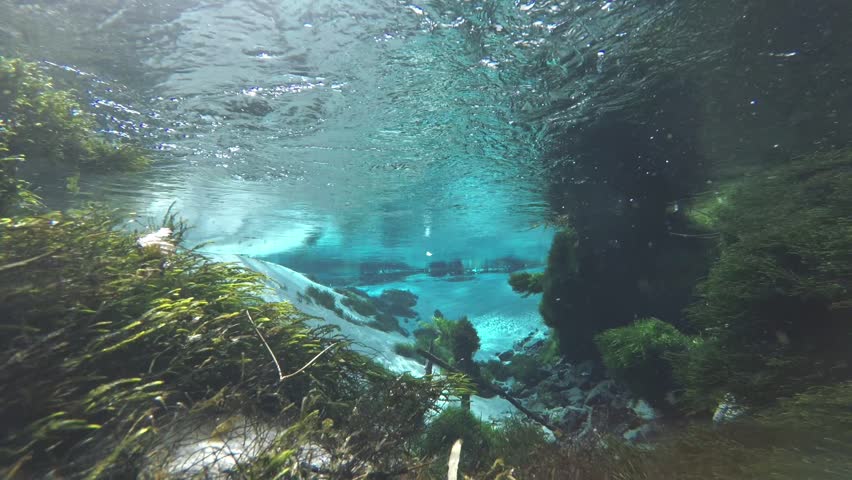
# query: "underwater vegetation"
767 332
805 436
638 355
109 343
773 315
453 341
562 301
114 346
488 448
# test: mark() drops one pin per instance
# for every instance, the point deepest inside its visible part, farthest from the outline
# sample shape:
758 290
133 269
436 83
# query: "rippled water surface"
382 130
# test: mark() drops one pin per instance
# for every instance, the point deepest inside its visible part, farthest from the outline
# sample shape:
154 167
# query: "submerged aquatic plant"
107 342
640 355
773 312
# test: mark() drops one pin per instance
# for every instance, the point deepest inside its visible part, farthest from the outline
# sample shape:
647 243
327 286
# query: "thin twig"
281 376
311 362
277 365
26 262
695 235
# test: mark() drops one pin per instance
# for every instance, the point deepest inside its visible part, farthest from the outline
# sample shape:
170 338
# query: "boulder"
506 356
602 394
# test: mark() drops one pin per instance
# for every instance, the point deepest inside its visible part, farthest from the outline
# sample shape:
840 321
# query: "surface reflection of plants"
49 126
526 283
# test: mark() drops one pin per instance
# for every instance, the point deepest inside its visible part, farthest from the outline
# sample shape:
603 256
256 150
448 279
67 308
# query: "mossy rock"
639 355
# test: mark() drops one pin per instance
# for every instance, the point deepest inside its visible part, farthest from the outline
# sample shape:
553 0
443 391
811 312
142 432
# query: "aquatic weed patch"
108 342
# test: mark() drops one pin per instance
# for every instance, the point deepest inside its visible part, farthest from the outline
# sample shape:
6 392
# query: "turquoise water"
396 132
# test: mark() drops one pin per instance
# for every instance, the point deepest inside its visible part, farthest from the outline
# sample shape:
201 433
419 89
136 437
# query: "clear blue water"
336 132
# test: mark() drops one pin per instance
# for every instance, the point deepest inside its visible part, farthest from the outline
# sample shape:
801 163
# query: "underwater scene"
451 239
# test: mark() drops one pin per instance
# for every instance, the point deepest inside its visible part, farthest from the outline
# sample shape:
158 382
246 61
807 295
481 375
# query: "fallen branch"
489 387
24 263
695 235
311 362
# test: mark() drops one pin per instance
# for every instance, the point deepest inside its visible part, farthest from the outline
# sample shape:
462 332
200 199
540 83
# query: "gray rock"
573 396
642 409
585 368
728 410
639 434
602 393
568 418
506 356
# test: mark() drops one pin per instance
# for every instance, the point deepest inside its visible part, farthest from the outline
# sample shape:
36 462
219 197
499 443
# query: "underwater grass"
105 340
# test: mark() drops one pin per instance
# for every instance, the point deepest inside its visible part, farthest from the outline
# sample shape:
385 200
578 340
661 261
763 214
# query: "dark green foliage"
457 423
97 328
408 350
527 369
455 342
774 311
464 341
516 440
526 283
486 448
497 370
11 189
640 354
323 298
375 432
557 308
808 436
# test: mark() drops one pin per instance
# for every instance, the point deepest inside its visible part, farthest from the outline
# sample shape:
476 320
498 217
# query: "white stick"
453 464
